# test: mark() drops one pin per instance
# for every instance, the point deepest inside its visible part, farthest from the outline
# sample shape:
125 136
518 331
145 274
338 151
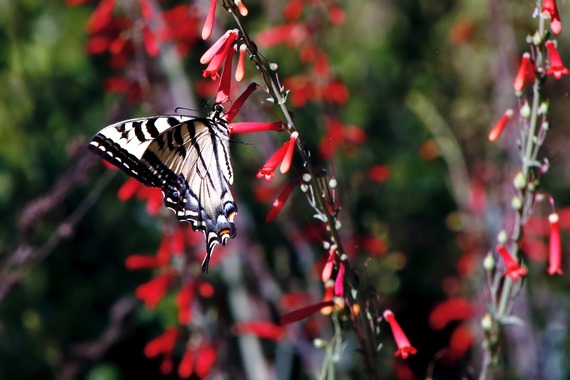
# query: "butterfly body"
188 158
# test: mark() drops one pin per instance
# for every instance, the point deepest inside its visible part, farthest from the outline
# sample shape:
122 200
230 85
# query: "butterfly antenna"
185 109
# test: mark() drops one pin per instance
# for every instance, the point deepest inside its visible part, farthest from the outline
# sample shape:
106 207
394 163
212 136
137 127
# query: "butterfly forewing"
188 158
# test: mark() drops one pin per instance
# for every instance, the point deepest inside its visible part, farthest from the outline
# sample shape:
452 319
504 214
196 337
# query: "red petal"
141 262
264 330
304 312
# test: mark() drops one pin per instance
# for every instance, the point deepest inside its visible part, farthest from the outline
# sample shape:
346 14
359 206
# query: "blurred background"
413 87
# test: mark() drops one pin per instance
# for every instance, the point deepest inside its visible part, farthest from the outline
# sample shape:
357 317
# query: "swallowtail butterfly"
188 158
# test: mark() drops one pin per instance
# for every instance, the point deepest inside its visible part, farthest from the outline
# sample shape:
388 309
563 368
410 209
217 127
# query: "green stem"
530 147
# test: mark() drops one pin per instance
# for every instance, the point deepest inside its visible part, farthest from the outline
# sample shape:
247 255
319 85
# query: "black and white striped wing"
188 158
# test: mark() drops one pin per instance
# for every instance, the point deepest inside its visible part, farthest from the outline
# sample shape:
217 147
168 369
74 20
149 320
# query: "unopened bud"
487 322
519 181
516 203
502 237
489 262
525 110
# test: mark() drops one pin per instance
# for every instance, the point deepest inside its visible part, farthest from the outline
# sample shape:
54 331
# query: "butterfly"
188 158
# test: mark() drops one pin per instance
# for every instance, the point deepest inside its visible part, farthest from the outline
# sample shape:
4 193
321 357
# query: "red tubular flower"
224 88
293 10
241 8
186 366
292 34
166 364
498 129
184 303
260 329
282 156
513 269
286 163
240 69
141 262
216 47
197 360
162 344
550 10
373 244
302 90
171 244
555 266
336 14
404 347
146 9
379 173
101 16
129 189
326 274
217 54
150 43
235 107
460 341
303 312
338 134
179 27
525 74
267 171
339 281
280 201
336 92
153 291
206 356
153 195
456 309
209 24
556 66
256 126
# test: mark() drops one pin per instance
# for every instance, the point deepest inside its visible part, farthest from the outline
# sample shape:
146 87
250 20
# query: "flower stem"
367 337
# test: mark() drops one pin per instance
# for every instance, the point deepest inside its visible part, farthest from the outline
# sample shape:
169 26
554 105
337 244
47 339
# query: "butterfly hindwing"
188 158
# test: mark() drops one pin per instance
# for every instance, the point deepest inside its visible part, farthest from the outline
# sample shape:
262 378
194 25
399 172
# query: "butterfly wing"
197 153
188 158
124 143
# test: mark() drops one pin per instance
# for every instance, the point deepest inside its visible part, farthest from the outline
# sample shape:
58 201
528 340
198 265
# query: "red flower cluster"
163 345
338 134
121 34
452 310
133 188
197 360
298 35
333 279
